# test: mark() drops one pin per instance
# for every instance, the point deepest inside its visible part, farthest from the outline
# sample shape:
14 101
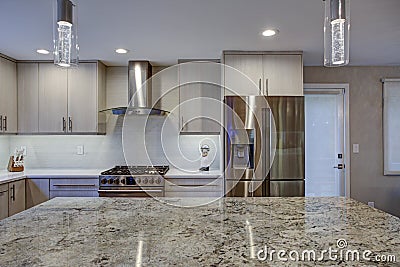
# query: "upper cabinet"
53 95
8 96
165 90
200 97
86 96
55 100
28 97
269 74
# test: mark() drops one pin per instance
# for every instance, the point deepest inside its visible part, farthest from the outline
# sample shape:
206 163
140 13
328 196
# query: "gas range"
133 181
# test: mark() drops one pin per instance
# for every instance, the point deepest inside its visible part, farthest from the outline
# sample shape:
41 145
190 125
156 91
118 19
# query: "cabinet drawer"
74 184
73 193
194 194
194 181
194 185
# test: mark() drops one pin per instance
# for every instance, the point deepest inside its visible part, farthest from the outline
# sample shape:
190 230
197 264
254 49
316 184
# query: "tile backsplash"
4 151
143 142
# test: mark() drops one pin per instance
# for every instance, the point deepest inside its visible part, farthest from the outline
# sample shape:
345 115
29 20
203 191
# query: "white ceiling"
164 30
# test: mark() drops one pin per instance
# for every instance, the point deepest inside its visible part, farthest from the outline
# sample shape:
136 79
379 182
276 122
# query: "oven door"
132 192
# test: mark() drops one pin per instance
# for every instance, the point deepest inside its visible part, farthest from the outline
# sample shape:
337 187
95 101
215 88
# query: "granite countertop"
228 232
177 173
6 177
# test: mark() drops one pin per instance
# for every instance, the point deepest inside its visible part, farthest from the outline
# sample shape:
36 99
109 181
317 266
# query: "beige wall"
367 180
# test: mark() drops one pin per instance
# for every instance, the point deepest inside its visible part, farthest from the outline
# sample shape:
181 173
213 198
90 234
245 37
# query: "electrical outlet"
371 204
356 148
80 150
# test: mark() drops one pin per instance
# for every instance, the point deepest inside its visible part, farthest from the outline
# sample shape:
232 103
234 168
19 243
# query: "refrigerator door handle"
265 142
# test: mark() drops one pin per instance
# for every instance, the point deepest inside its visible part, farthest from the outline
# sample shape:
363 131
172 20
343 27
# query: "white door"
324 142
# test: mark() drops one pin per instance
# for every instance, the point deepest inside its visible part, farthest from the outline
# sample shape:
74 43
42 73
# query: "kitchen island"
227 232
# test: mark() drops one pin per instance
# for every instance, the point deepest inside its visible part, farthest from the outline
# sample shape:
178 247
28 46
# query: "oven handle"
84 185
130 191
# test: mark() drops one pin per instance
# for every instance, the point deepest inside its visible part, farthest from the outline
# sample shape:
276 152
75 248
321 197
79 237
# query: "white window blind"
391 126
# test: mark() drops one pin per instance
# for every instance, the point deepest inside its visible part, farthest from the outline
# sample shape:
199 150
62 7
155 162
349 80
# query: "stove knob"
111 180
144 180
103 181
123 181
116 181
158 180
138 180
151 180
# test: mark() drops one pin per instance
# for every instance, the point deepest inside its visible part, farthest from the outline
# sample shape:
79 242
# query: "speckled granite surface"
228 232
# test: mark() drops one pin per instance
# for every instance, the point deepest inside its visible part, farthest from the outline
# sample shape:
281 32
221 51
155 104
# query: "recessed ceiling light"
270 32
43 51
121 51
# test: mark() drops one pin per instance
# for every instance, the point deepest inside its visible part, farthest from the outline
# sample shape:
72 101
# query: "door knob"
340 166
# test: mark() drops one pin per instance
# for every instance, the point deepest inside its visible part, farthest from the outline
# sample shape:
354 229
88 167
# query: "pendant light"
66 49
336 32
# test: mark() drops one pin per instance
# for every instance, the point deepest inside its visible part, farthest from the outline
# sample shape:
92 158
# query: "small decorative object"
336 33
205 161
16 162
66 48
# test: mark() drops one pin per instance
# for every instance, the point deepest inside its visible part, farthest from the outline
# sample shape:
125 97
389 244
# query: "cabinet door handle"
259 87
130 191
5 123
70 124
64 124
193 185
266 87
13 192
182 125
1 123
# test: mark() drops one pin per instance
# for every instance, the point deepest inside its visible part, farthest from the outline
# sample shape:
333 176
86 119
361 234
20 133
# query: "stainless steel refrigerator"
264 146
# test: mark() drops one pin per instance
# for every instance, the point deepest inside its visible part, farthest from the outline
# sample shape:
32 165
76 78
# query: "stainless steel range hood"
139 92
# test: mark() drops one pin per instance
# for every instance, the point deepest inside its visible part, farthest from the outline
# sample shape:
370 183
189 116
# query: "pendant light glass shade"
336 33
66 49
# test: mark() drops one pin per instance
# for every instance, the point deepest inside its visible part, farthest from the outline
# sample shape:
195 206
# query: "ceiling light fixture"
270 32
336 32
66 49
121 51
43 51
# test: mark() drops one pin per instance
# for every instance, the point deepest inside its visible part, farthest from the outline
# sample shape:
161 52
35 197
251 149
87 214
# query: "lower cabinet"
16 192
26 193
76 187
37 191
194 187
3 201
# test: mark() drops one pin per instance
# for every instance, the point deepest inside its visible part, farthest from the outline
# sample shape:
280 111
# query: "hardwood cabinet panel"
28 97
3 201
200 97
82 98
8 96
37 191
52 98
16 192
